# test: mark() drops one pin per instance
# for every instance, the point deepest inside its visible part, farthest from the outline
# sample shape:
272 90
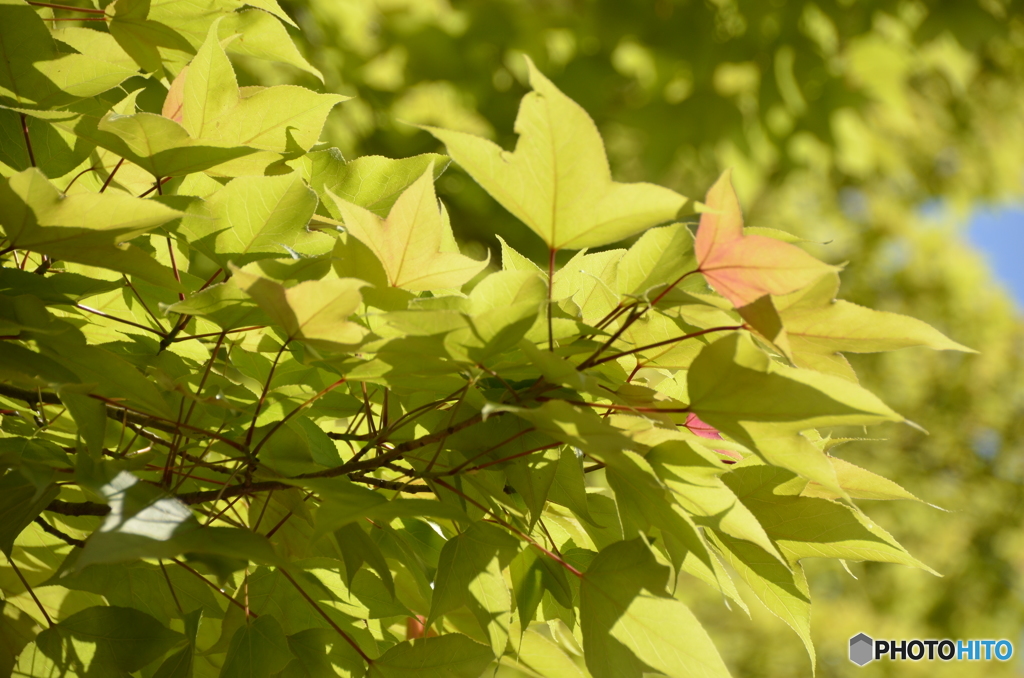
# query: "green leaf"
55 150
282 119
124 637
85 227
144 523
629 624
144 587
557 181
842 326
255 218
732 381
452 655
858 483
531 476
372 181
644 502
264 38
299 446
24 42
345 502
502 308
90 416
258 649
782 589
21 500
59 288
181 663
140 36
661 256
533 575
314 311
577 426
224 304
741 267
568 487
692 473
469 573
807 527
83 75
159 145
586 286
411 242
356 548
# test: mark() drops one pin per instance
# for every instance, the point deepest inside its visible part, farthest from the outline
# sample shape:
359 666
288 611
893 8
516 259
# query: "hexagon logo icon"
862 649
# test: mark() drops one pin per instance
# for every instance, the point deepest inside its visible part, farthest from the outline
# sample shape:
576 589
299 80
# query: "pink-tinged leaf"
175 98
743 268
701 428
705 430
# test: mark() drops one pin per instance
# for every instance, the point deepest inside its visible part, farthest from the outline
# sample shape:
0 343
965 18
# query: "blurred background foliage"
851 123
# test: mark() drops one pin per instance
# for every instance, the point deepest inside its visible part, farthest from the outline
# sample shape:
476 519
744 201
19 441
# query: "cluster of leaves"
899 100
228 354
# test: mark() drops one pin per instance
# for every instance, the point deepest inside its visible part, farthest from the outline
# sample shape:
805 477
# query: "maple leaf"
415 242
743 268
557 180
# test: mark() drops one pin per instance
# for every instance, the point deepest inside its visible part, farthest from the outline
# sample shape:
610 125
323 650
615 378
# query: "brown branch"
53 531
666 342
28 140
88 508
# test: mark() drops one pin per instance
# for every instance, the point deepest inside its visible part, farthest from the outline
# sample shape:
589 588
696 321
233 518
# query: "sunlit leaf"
741 267
557 180
410 243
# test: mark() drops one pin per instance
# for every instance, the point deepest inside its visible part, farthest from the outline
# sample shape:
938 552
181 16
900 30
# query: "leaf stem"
666 342
511 528
217 589
116 319
327 618
77 177
263 395
295 411
214 334
174 262
28 140
167 578
144 306
84 10
28 588
110 177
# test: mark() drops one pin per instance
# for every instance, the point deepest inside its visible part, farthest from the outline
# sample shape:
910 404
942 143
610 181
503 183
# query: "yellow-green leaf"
557 181
410 243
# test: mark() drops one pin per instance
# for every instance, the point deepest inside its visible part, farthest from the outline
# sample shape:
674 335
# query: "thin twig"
666 342
69 8
28 588
110 177
174 595
216 588
116 319
28 140
323 614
